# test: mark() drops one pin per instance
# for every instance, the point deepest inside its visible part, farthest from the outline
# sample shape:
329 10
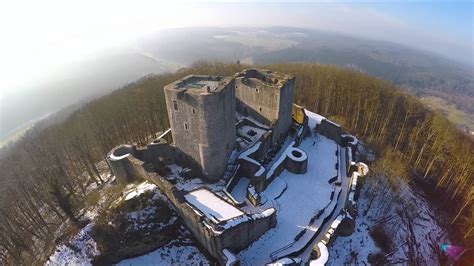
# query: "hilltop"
411 144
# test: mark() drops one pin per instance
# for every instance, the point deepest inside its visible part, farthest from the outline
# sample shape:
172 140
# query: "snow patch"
231 259
212 206
311 188
138 190
171 254
313 119
324 256
80 250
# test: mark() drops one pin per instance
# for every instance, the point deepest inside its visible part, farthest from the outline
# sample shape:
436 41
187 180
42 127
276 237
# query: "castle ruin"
231 137
202 111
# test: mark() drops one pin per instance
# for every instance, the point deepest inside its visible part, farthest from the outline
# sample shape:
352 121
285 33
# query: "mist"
51 43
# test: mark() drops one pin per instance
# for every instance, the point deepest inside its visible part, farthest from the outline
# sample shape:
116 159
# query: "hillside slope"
413 142
74 84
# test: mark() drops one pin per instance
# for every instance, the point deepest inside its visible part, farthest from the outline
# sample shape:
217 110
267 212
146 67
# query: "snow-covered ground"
81 248
181 251
136 191
406 218
249 132
170 254
304 196
193 183
211 205
79 251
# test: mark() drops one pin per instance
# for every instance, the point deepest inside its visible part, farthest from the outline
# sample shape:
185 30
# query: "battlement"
266 96
200 84
264 77
201 110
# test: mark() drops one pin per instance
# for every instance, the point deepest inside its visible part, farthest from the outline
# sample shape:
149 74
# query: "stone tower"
201 111
266 96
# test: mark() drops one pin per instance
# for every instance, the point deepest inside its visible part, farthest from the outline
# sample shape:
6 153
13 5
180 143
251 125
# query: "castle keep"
201 110
202 113
238 152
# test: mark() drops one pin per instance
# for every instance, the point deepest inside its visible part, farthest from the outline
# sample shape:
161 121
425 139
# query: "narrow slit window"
175 105
260 109
186 126
194 111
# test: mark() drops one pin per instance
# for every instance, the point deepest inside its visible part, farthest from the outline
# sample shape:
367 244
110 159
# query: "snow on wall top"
246 156
138 190
323 258
211 205
313 119
231 259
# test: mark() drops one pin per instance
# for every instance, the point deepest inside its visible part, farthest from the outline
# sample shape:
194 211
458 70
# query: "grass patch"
449 110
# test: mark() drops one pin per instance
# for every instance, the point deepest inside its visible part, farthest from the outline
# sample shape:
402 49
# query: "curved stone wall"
124 165
296 161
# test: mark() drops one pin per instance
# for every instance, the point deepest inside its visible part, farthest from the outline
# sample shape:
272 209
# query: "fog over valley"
421 73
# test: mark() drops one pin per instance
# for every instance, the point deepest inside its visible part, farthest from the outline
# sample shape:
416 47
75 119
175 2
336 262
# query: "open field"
450 110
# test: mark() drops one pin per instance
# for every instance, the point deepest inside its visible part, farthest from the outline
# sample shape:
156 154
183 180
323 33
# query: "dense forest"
44 176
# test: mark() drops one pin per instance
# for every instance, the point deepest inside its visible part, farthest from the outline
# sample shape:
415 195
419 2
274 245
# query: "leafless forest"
44 176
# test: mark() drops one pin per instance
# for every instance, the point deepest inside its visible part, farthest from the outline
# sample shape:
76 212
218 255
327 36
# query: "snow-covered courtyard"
298 198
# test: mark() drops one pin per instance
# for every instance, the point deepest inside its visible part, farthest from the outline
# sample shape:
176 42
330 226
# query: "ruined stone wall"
286 106
125 158
239 237
203 126
127 168
258 100
270 103
235 238
330 130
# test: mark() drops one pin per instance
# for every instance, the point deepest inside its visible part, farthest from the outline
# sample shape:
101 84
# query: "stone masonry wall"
235 238
203 125
330 130
269 100
127 168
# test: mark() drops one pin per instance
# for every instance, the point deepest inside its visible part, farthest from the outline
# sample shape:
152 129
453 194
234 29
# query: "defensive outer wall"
128 165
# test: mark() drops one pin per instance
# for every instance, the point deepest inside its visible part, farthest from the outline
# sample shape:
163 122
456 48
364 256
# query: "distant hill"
417 71
422 73
75 84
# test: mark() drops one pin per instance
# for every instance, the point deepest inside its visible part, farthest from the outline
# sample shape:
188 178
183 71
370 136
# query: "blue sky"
451 18
445 28
51 33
